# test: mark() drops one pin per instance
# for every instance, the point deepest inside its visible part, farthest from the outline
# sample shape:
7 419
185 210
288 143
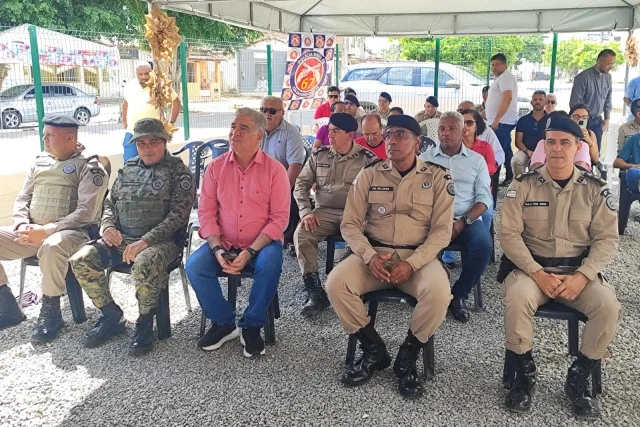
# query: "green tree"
577 54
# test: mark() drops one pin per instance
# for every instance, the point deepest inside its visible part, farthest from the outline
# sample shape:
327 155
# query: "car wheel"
11 120
82 115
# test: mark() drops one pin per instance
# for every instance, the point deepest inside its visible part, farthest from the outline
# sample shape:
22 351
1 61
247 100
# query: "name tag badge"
534 204
323 165
376 188
130 184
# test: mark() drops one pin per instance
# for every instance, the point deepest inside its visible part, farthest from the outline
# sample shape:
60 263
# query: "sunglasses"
469 123
271 111
333 96
348 103
551 102
398 135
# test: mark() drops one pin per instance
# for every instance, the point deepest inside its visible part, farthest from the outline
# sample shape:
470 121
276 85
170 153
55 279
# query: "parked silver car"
18 104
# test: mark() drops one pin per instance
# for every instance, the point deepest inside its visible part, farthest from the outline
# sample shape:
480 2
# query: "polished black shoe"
578 390
410 385
375 357
506 182
218 335
10 312
291 250
49 321
142 342
252 341
520 396
459 310
110 324
318 300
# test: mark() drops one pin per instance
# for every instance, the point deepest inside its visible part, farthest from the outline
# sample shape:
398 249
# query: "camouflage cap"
149 128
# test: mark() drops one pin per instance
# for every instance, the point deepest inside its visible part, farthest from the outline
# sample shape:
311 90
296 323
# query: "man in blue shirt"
629 156
632 92
529 131
472 198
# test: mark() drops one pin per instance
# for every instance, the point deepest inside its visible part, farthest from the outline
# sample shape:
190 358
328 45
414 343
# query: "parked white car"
18 104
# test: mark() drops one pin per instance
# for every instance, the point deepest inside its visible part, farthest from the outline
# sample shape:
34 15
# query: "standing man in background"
632 92
593 88
135 106
501 108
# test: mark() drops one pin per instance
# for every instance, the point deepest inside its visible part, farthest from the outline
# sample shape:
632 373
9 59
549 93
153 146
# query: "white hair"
274 99
259 121
455 115
143 64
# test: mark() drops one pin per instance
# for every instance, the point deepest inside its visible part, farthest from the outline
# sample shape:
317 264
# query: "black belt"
378 244
575 261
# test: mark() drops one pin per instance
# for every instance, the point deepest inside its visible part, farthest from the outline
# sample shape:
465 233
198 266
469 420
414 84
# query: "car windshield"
12 92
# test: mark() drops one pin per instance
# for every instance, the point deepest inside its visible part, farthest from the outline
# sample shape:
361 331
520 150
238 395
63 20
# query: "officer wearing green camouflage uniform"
333 169
60 200
143 221
558 231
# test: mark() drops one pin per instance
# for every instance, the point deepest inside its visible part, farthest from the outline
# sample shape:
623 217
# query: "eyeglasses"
398 135
469 123
271 111
333 96
348 103
551 102
579 117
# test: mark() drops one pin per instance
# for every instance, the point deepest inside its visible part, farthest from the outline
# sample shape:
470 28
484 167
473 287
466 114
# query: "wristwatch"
252 252
216 249
467 220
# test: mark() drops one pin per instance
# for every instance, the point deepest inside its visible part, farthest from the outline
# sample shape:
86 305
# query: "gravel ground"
297 382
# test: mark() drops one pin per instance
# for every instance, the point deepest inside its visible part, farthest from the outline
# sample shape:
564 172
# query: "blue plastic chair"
308 140
192 146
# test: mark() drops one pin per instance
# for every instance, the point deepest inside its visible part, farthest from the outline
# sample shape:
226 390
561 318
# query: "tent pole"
185 89
337 60
554 57
37 81
626 83
489 64
269 73
437 71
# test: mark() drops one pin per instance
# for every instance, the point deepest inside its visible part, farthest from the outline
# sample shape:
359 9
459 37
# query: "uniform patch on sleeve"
511 194
451 189
98 180
69 168
97 171
157 184
611 203
185 184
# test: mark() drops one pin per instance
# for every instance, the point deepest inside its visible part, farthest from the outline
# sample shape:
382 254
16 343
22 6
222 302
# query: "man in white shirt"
135 106
502 108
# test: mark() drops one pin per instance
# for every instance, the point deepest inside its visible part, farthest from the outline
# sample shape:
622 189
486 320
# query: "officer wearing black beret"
384 103
430 112
344 121
61 121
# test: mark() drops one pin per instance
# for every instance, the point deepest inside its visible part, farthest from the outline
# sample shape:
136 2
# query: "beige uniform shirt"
415 210
382 115
540 218
422 116
626 131
333 175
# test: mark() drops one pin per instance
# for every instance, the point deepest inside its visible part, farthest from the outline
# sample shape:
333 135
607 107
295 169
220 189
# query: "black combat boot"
577 387
10 313
520 396
318 300
49 322
410 384
111 323
375 357
142 342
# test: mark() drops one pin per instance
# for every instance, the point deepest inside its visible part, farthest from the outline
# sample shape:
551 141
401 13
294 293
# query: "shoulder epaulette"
438 166
591 176
132 161
367 153
94 157
320 149
522 176
375 162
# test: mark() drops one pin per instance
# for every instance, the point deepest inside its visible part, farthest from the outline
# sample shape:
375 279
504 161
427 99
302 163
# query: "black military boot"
410 384
49 322
520 396
142 342
577 387
111 323
375 357
317 300
10 313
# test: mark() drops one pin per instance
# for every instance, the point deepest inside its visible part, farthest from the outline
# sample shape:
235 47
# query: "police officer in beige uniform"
333 169
558 230
398 217
61 198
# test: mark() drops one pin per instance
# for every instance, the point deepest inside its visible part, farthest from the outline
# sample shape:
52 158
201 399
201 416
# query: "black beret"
344 121
404 121
635 106
386 96
433 101
352 99
60 121
564 124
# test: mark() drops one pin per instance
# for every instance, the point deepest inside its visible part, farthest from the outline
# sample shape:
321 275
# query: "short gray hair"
143 64
259 121
454 115
274 99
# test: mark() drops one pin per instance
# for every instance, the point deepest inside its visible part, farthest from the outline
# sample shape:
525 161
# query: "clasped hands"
234 266
567 286
400 273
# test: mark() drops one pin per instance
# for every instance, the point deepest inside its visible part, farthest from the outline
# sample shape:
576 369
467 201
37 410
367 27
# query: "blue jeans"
595 125
130 150
450 256
504 136
475 240
203 270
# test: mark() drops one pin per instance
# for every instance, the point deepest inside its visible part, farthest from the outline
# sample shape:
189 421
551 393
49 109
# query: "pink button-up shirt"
238 205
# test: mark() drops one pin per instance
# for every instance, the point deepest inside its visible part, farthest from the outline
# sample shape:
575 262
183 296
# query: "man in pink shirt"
243 212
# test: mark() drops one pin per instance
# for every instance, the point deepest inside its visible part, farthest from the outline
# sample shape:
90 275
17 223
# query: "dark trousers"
294 219
595 125
475 240
504 136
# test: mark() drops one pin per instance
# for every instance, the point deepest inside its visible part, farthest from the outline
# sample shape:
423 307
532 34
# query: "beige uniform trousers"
352 278
597 301
53 253
307 243
520 162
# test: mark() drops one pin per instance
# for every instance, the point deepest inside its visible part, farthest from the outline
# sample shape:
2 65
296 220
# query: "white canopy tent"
408 18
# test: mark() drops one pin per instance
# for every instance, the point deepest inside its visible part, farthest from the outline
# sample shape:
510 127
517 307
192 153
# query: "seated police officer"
397 219
142 223
333 169
558 232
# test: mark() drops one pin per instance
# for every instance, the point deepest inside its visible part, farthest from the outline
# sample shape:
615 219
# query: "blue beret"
433 101
635 106
404 121
344 121
386 96
352 99
60 121
564 124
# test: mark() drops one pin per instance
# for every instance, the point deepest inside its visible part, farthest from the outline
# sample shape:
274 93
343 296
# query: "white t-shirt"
138 106
506 81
